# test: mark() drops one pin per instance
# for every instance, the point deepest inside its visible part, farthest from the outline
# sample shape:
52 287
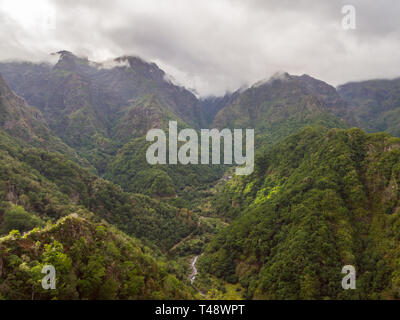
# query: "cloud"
212 46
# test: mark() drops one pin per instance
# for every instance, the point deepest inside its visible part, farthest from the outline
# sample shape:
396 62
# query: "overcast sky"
212 46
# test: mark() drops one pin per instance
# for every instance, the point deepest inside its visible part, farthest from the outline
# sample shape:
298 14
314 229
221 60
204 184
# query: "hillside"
317 201
73 166
93 261
374 104
50 186
28 126
101 110
281 106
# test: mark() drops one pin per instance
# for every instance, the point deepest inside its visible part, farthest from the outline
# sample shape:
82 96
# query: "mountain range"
76 190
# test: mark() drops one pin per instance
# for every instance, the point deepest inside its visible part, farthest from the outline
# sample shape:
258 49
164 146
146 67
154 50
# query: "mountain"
93 260
39 185
102 110
20 120
317 201
76 190
92 106
28 126
103 86
212 105
50 186
374 104
282 105
27 79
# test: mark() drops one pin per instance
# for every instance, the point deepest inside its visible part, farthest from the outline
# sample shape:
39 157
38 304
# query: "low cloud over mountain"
212 46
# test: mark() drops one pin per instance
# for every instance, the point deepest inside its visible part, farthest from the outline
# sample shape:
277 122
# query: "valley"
77 192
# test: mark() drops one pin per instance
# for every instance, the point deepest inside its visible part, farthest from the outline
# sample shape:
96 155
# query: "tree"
16 218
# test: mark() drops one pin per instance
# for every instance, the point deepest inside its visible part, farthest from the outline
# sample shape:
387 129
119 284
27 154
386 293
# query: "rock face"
212 105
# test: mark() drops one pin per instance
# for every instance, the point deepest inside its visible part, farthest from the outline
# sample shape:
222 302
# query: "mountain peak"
277 76
65 53
142 66
68 60
280 75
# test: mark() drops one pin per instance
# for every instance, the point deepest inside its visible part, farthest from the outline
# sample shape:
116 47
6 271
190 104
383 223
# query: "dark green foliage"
131 170
316 202
16 218
50 186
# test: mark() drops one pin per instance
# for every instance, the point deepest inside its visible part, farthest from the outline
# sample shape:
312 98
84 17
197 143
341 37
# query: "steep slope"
92 261
27 80
212 105
317 201
131 170
50 186
374 104
75 113
59 92
141 116
84 101
135 79
20 120
104 110
281 106
27 124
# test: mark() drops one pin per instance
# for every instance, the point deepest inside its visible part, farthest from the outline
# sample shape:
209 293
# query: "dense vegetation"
96 110
130 170
77 192
50 186
92 261
316 202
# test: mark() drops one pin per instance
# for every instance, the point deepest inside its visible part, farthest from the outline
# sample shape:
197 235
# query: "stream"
193 275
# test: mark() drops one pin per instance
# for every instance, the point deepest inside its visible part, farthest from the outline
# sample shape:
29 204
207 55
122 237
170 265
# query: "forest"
76 191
